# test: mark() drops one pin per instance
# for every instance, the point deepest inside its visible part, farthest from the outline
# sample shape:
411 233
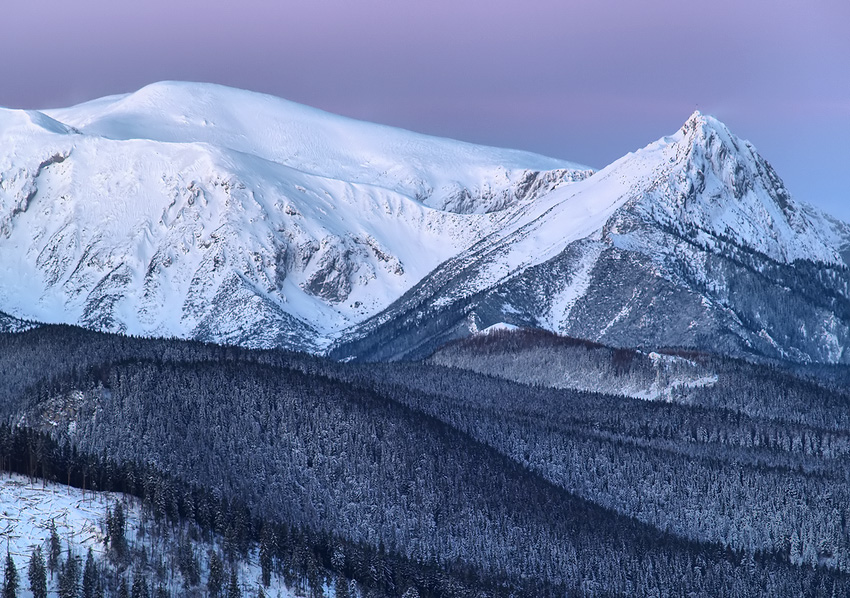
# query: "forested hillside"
70 542
417 477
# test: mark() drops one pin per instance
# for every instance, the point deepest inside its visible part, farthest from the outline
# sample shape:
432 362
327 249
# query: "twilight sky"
583 80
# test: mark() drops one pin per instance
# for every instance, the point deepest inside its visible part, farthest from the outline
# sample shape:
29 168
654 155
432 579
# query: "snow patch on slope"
575 289
27 509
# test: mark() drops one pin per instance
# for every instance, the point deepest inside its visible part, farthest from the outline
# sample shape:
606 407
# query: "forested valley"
433 480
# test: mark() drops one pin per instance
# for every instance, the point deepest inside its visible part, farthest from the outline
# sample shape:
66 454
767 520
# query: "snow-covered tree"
215 580
37 574
90 581
10 581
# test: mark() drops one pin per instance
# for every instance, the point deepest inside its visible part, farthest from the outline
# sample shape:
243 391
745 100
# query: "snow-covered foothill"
29 507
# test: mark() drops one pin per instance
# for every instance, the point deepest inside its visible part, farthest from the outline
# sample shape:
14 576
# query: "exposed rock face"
500 195
331 278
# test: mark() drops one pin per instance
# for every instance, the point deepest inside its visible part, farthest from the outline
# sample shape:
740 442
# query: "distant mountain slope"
541 358
703 249
199 211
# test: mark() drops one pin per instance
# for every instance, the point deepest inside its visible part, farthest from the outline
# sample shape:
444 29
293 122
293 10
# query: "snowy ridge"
240 217
199 211
711 181
436 171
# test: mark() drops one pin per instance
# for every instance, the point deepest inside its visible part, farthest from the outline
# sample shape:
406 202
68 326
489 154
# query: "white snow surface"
498 327
302 138
710 180
195 210
136 213
574 289
27 508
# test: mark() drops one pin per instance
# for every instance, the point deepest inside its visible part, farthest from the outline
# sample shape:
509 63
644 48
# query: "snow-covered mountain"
201 211
206 212
690 242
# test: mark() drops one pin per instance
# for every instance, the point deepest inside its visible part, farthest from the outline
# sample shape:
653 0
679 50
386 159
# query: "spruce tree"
109 524
69 577
55 552
37 574
115 530
341 588
10 582
90 581
187 563
140 586
233 590
215 581
267 542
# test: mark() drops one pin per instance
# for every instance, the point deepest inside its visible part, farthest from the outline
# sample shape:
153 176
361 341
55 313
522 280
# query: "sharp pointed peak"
707 134
704 122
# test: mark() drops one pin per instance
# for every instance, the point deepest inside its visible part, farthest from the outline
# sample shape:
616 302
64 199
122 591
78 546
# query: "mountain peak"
700 127
694 119
710 182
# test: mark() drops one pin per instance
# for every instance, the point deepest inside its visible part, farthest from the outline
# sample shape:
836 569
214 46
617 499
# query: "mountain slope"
703 249
199 211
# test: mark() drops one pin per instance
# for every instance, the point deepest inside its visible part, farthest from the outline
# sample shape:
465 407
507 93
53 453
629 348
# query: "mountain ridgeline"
202 212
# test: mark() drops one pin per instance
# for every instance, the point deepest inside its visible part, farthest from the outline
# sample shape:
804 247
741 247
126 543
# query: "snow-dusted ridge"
721 185
200 211
305 139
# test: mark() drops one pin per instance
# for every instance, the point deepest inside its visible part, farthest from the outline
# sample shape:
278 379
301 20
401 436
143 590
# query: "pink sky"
586 81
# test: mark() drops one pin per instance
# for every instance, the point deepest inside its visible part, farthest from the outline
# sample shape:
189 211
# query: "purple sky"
587 81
